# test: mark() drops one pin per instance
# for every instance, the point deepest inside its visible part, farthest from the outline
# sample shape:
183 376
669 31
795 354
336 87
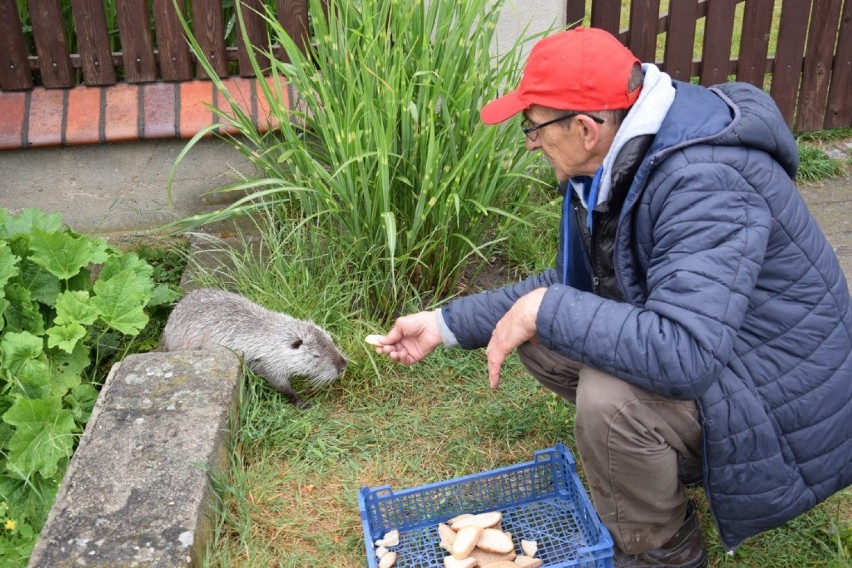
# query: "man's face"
573 146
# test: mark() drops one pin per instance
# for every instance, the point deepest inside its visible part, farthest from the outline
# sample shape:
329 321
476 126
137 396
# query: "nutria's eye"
296 344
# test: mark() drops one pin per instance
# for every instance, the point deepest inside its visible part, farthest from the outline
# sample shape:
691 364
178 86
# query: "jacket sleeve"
473 318
698 239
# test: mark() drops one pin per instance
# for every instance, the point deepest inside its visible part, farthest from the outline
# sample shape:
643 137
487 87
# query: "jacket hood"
730 114
759 124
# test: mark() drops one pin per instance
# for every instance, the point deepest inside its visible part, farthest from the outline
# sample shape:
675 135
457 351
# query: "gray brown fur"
274 345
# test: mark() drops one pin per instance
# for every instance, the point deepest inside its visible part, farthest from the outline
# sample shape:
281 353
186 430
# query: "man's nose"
531 144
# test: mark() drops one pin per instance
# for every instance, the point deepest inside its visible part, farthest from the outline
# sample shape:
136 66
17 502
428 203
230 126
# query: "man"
696 312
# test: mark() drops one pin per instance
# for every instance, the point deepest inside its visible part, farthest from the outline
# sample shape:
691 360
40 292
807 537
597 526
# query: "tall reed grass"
384 152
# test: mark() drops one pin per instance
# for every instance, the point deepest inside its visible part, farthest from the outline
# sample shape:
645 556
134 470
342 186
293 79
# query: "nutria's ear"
296 344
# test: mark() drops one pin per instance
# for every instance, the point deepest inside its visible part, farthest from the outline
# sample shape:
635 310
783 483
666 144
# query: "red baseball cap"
581 69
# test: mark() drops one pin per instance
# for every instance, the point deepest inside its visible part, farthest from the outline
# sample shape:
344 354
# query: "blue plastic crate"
541 500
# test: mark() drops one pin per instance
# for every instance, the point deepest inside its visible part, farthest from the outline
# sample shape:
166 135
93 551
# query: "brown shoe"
684 550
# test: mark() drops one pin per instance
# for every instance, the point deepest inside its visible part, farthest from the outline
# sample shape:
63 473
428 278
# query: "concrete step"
137 490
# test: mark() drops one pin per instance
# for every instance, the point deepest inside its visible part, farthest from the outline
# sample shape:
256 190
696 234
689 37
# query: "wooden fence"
809 75
53 65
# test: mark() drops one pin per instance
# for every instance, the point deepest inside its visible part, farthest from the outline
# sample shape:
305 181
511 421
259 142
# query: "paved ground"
831 204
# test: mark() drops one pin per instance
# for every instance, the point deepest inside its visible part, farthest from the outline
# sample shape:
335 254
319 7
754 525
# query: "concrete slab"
121 187
830 202
137 489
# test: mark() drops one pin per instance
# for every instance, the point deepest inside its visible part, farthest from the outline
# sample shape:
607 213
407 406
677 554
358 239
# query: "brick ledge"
127 112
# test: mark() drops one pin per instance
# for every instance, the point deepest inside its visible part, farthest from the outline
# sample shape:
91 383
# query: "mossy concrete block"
137 492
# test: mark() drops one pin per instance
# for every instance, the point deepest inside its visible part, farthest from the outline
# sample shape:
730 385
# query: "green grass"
290 498
815 163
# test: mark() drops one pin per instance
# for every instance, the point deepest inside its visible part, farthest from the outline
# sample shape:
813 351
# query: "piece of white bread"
450 562
457 518
465 542
486 557
484 520
390 539
388 560
530 547
374 339
493 540
448 536
501 564
528 562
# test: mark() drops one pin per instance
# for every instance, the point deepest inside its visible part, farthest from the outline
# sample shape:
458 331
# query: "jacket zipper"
589 247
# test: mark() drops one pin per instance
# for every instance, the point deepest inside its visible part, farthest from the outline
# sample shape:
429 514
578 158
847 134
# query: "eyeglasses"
530 128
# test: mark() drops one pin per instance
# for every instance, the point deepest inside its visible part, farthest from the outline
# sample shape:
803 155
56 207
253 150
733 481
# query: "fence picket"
757 23
175 61
606 14
255 25
293 16
15 71
137 52
718 36
208 27
95 52
575 12
51 47
817 66
839 112
642 34
787 70
680 39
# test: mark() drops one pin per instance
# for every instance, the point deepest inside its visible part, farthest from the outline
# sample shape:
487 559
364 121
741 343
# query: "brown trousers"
628 440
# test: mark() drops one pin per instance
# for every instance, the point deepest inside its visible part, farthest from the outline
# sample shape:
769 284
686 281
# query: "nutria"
274 345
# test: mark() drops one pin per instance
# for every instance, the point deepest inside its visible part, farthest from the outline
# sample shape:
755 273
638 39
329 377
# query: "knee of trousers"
600 397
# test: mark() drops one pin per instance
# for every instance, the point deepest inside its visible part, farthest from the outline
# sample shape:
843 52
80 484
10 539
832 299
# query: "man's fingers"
495 362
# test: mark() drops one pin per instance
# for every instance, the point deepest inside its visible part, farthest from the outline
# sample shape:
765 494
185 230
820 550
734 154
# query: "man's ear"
589 131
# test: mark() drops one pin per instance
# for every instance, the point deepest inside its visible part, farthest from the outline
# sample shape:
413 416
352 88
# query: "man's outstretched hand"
412 338
514 329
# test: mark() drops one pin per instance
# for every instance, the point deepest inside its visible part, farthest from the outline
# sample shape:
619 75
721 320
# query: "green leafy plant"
63 294
384 152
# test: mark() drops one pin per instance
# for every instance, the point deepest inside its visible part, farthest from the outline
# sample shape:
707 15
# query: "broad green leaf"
65 336
123 262
20 349
28 498
101 251
62 254
8 264
43 285
6 430
74 307
26 221
120 300
74 363
44 436
82 400
22 313
3 305
26 364
163 295
33 412
62 383
80 281
34 381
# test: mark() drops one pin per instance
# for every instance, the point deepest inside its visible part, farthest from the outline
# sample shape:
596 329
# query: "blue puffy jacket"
733 297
